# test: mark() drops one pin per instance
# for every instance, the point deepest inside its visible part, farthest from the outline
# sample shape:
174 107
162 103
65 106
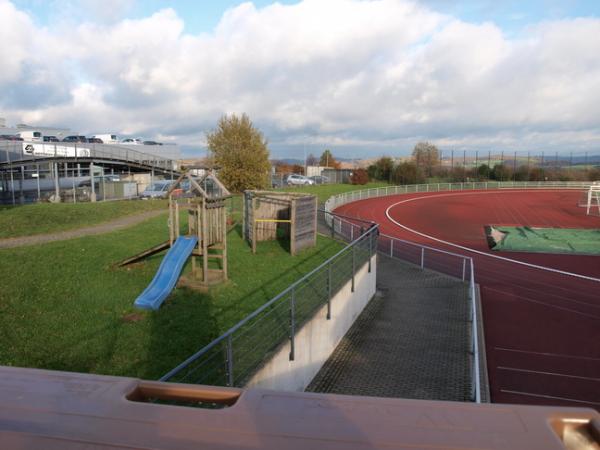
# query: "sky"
364 78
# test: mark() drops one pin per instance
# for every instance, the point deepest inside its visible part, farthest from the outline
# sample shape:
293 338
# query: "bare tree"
312 160
426 157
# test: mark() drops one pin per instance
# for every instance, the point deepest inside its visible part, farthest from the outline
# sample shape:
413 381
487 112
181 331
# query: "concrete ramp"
411 341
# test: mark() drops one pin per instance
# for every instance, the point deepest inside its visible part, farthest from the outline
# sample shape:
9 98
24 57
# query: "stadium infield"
541 311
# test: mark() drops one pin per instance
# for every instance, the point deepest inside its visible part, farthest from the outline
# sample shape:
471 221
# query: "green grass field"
44 218
41 218
64 306
324 191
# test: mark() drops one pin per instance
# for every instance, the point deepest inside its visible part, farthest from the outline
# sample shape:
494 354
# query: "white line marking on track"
552 397
441 241
552 355
541 372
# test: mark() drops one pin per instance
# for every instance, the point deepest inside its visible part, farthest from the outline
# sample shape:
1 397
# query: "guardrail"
340 199
233 357
15 152
452 264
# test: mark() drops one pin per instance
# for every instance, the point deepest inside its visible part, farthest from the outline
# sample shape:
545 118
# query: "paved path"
106 227
411 341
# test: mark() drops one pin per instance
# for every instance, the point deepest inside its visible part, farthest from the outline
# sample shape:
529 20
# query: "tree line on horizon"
240 150
425 165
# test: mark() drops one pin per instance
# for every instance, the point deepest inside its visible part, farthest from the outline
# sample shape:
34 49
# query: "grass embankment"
63 306
42 218
324 191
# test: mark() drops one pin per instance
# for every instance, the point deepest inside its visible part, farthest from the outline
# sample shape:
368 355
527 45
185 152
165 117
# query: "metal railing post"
229 361
464 268
329 291
391 248
353 268
292 323
332 227
422 257
370 236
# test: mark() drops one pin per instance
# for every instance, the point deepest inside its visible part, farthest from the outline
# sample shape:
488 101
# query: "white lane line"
548 305
441 241
553 355
552 397
541 372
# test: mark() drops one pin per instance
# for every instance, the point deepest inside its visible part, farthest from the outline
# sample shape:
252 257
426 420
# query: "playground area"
67 306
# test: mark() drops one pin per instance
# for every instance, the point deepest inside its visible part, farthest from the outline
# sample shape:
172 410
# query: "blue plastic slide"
165 279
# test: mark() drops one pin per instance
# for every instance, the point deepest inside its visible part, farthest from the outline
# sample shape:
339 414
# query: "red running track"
542 328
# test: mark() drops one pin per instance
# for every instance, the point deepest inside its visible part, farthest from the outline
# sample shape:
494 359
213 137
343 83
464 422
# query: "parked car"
295 179
277 180
82 139
51 139
31 135
10 137
95 140
158 189
320 179
107 138
132 141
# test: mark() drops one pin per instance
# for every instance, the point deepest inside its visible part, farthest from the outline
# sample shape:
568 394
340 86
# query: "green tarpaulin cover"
544 240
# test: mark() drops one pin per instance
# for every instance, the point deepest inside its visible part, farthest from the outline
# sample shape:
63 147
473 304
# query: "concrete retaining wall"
317 339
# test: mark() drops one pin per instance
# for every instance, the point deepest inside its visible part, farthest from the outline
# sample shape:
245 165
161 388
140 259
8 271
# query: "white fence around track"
341 199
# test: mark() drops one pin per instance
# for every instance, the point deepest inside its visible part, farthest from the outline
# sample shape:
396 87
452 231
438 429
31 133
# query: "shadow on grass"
178 332
178 329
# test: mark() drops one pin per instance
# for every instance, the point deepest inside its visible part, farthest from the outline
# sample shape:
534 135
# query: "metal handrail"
75 151
475 335
476 392
433 249
227 336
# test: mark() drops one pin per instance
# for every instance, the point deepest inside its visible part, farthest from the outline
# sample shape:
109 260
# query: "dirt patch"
132 317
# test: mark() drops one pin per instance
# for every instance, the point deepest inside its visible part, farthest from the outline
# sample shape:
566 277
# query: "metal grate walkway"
411 341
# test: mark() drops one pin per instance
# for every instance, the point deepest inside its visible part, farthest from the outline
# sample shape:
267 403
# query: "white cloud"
356 73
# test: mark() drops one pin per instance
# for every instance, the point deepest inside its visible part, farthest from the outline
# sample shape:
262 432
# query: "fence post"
353 268
292 323
229 361
370 236
464 268
422 257
351 232
329 291
332 227
391 247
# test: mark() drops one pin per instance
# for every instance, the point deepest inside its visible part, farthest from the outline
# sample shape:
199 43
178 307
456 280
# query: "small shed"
280 215
337 175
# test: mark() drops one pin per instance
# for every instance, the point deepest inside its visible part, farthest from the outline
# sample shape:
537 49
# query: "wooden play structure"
205 241
273 215
204 201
